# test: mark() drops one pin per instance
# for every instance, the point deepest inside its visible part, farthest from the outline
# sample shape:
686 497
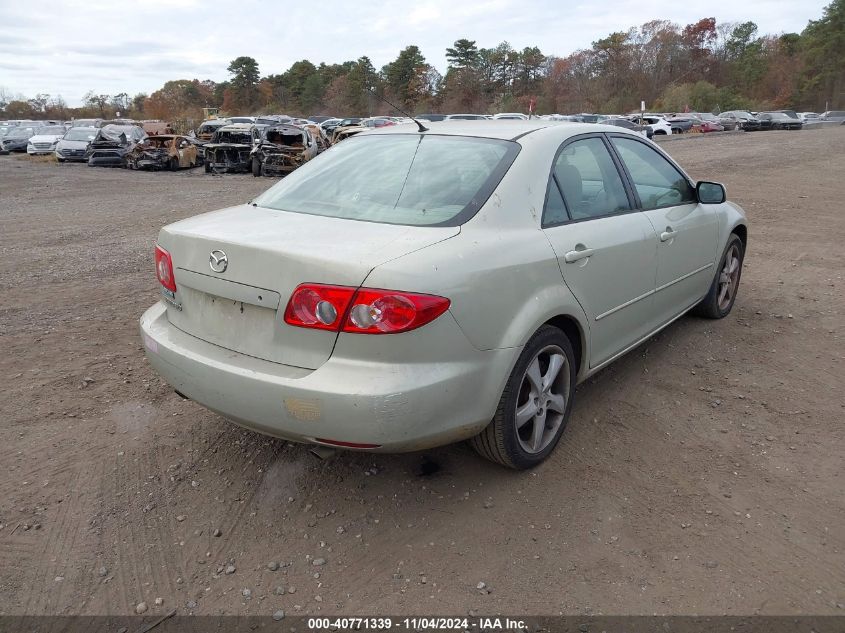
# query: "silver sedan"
411 288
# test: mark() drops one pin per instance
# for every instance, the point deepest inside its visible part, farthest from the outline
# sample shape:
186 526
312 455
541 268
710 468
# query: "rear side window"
555 211
657 182
412 179
589 180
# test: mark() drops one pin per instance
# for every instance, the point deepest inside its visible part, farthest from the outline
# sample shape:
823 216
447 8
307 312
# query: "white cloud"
71 47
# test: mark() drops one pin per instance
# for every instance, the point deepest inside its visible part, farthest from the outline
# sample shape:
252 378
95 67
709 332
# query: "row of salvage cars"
263 149
219 145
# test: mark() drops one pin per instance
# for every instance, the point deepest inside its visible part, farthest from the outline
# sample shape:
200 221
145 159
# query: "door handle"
574 256
667 235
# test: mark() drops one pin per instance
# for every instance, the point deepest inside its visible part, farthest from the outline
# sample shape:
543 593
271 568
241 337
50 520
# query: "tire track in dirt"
742 552
46 591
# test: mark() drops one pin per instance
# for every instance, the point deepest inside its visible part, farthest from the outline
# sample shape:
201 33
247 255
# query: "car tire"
173 165
526 401
208 168
725 282
256 167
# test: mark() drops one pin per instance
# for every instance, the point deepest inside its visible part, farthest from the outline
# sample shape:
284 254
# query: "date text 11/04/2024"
416 624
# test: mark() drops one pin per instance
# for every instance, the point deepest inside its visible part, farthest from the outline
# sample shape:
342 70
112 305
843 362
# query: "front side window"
655 179
589 180
409 179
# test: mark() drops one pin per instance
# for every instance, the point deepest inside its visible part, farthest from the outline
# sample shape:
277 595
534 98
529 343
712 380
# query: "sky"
69 47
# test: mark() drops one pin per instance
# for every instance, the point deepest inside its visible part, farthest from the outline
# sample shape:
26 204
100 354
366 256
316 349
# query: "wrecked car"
230 147
74 144
44 140
17 138
164 151
112 145
207 129
155 128
341 133
282 148
319 136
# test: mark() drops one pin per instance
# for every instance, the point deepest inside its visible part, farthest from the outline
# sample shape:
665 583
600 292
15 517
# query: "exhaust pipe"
322 452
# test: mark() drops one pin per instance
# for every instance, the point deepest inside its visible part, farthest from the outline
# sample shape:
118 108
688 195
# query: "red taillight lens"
365 311
390 312
164 269
318 306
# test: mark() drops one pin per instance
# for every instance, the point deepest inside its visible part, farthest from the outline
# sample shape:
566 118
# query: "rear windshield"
411 179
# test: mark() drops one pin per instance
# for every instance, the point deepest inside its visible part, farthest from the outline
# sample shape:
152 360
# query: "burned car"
282 148
156 127
164 151
207 129
340 133
112 145
319 136
230 147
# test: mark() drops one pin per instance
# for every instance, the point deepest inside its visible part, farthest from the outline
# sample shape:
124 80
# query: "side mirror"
710 192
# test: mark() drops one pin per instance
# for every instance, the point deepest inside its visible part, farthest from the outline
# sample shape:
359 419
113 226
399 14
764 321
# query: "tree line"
706 66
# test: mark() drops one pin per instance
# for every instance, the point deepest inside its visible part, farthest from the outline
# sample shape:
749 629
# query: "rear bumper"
404 406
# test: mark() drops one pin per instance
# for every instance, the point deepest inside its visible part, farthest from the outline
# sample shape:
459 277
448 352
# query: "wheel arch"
742 232
570 326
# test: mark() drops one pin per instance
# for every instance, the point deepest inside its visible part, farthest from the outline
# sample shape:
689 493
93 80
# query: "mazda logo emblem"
218 261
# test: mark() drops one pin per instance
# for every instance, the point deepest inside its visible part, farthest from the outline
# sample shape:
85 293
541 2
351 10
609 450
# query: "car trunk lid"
268 254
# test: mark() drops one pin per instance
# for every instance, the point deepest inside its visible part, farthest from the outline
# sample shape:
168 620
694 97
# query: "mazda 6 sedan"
414 287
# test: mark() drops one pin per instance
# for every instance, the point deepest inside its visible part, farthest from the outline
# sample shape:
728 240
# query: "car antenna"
421 127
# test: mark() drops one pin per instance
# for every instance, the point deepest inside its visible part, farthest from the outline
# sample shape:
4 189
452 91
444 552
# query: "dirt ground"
702 473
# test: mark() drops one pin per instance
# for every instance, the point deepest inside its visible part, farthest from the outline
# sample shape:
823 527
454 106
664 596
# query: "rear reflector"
164 269
346 444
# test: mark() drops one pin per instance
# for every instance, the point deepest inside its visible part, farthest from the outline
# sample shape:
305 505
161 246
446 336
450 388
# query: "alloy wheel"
729 278
542 400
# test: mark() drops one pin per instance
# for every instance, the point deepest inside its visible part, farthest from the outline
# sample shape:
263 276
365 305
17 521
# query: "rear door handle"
667 235
574 256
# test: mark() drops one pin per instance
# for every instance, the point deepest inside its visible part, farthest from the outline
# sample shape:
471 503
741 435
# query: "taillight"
391 312
318 306
164 269
365 311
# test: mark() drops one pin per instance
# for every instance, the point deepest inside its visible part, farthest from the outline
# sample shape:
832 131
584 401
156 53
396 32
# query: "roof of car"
237 127
507 129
